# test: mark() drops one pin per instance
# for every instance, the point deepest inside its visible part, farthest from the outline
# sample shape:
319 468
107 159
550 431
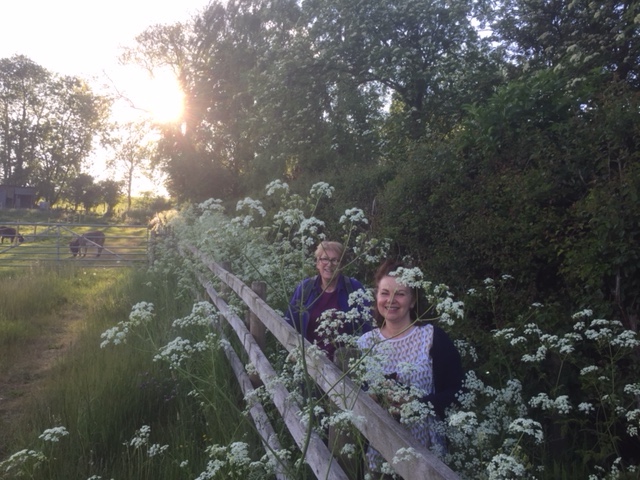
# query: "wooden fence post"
224 288
257 328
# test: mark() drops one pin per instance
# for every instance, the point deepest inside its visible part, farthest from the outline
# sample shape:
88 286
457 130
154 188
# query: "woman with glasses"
319 303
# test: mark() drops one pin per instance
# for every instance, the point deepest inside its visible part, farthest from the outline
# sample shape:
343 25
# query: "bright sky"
84 38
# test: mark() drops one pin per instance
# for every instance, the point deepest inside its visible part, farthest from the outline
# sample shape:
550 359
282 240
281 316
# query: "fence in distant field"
124 246
380 429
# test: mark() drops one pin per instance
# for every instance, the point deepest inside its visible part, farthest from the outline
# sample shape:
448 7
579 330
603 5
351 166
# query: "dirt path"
30 367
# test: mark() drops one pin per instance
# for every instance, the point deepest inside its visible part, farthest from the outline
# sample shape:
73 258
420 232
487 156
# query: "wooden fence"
125 245
380 429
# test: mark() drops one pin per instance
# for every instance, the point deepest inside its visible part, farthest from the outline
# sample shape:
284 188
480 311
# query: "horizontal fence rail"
44 243
381 430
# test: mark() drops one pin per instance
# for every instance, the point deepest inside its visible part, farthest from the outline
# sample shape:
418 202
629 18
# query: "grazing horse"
79 245
12 234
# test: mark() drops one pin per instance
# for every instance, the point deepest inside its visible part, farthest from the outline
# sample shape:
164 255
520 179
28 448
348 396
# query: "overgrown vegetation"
504 164
546 395
102 412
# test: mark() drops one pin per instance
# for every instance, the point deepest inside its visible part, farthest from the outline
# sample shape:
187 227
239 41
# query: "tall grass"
119 407
27 300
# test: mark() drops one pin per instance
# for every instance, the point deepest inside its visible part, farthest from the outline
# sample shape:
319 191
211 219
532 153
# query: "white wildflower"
141 437
251 205
529 427
586 313
277 186
156 449
53 434
586 407
505 466
354 216
405 454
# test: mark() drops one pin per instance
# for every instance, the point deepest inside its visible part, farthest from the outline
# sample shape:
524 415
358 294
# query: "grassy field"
105 397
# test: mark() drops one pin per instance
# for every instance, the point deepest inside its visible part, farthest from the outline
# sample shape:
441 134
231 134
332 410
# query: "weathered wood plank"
317 456
266 431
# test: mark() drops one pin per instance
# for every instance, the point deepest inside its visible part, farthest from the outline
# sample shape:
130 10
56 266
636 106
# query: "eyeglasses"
326 260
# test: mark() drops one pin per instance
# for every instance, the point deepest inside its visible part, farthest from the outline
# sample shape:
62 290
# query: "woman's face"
328 263
394 301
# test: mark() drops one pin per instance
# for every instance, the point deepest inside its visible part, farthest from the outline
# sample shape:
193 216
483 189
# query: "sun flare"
159 96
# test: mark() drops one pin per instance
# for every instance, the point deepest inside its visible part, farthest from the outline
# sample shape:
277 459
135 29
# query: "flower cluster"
233 461
141 315
53 434
179 350
498 429
277 186
321 189
354 216
141 440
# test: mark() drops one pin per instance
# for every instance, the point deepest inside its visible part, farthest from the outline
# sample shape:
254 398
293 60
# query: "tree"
258 103
427 54
22 96
92 197
110 191
78 188
132 153
48 126
578 36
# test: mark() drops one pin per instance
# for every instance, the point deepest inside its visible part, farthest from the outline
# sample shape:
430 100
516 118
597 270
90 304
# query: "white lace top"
408 359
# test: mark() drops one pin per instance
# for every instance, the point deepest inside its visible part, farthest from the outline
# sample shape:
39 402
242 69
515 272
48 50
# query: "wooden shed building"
17 197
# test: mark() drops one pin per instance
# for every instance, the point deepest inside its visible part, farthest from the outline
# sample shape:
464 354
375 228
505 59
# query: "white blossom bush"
546 388
535 379
26 463
273 240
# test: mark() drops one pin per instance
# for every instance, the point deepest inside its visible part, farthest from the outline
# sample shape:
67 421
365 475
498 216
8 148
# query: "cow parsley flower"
310 226
212 205
141 314
526 426
405 454
277 186
202 315
589 369
632 389
53 434
290 217
586 407
410 277
467 422
22 458
141 437
586 313
505 466
353 216
626 339
633 417
539 356
251 205
321 189
560 404
156 450
179 350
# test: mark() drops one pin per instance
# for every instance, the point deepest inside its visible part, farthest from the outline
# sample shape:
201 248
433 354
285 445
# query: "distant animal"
12 234
79 245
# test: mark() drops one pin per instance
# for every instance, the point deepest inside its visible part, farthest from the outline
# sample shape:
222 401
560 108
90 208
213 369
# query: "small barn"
17 197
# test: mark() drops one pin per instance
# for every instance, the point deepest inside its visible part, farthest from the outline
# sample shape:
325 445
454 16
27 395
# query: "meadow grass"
28 301
118 406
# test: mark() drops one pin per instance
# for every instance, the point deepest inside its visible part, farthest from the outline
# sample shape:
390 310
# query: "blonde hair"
328 246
